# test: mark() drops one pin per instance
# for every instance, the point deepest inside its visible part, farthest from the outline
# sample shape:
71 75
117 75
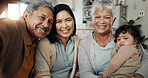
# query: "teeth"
101 26
42 30
65 31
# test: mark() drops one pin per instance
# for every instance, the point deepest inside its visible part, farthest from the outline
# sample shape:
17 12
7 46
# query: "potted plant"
133 23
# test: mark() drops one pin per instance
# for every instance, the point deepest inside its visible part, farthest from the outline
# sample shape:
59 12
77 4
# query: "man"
18 39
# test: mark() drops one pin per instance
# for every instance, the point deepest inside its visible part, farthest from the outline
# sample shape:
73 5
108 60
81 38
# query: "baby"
126 59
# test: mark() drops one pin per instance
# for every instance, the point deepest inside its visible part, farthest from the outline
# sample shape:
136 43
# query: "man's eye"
42 18
50 21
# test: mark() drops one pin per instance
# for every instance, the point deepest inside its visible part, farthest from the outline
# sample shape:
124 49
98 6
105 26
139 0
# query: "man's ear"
26 14
114 19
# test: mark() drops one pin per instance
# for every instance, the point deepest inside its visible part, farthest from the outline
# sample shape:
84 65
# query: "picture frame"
124 10
122 2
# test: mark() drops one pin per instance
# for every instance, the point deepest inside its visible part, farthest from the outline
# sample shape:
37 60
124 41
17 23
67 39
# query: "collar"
29 42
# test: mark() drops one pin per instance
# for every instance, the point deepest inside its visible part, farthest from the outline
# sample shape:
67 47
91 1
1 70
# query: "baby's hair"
133 30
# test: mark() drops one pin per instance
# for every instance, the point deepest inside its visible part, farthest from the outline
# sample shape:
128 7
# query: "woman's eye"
108 17
69 19
97 17
58 21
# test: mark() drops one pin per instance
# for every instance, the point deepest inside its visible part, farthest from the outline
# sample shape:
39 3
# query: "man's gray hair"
101 4
34 5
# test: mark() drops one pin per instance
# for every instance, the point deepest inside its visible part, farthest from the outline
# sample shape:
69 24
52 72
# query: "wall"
76 6
133 13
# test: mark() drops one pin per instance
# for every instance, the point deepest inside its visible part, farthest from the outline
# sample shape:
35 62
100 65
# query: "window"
14 11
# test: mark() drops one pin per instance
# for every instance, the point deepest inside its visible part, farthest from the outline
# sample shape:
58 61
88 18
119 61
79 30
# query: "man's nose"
45 24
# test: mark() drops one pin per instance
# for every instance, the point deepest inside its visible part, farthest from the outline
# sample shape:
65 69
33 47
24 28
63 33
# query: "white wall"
77 7
133 13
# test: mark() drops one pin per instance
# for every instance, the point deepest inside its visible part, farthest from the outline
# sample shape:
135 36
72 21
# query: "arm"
0 44
124 53
85 68
41 66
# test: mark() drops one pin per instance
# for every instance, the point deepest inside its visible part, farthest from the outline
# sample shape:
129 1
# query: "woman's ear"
114 19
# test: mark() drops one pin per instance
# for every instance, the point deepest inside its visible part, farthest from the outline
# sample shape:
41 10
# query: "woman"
56 55
94 50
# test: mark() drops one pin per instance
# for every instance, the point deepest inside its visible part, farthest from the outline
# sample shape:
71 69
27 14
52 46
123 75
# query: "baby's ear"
136 40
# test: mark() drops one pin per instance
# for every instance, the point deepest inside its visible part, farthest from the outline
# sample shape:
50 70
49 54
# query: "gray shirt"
64 60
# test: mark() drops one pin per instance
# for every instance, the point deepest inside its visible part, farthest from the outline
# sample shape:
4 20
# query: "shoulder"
7 24
86 42
46 48
9 31
86 39
45 44
76 38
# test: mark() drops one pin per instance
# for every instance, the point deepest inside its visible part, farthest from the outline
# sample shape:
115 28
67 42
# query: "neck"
103 40
64 41
32 38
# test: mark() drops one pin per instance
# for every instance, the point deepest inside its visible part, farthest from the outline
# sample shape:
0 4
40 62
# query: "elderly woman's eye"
108 17
97 17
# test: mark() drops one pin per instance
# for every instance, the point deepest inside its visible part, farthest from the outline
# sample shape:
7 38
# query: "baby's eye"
108 17
125 38
118 39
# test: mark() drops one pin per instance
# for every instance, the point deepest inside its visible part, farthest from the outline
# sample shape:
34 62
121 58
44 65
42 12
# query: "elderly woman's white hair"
101 4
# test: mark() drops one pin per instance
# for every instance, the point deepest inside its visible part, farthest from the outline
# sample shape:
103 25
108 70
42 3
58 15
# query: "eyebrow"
69 18
43 14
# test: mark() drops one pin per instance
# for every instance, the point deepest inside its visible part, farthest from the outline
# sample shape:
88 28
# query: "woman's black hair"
52 36
133 30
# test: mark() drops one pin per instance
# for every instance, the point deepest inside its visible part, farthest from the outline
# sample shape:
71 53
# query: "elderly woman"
94 50
56 55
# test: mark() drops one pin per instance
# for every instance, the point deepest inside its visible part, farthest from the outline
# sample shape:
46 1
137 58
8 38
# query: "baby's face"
125 40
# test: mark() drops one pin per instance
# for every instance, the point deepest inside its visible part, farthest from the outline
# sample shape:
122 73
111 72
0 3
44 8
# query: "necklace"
107 42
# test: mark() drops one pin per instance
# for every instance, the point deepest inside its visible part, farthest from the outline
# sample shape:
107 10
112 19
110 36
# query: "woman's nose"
64 24
102 20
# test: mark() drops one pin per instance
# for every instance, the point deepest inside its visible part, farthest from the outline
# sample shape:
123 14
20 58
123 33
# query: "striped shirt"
124 53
